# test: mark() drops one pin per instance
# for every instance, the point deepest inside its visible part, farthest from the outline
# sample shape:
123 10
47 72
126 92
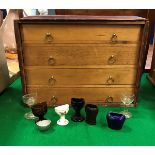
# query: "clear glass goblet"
30 100
127 99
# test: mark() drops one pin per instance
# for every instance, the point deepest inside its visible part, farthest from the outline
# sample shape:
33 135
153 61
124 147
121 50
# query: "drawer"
78 76
71 54
76 33
57 96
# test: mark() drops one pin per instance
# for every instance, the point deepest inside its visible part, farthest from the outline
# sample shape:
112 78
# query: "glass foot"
62 122
127 114
30 115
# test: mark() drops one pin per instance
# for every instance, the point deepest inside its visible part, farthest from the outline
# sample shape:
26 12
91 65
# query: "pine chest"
94 57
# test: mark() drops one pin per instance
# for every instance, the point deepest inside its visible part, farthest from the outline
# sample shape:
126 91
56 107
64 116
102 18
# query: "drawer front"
57 33
56 96
69 77
91 54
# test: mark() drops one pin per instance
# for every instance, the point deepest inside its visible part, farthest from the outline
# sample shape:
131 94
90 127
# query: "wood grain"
70 54
56 77
90 33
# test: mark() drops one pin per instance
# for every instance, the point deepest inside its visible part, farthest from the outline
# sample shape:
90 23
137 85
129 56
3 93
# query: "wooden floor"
149 57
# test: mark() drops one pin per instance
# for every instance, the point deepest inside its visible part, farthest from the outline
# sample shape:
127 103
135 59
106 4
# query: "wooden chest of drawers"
97 58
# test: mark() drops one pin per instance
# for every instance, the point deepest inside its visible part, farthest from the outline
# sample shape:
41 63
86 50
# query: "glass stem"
125 108
77 113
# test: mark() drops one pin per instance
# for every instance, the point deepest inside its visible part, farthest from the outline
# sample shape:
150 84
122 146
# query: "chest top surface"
77 18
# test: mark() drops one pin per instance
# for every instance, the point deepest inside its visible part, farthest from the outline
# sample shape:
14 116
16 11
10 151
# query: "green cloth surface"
15 130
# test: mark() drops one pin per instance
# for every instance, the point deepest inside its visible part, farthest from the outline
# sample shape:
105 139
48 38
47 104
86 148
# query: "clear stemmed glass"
127 99
30 100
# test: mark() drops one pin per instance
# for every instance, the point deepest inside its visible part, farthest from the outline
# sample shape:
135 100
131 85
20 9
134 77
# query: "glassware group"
114 120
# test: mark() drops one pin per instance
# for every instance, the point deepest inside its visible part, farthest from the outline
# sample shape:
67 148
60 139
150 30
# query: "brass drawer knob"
112 59
110 80
48 37
53 100
114 38
51 61
52 80
109 99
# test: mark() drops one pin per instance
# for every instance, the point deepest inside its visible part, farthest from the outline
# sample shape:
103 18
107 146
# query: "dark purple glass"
91 113
77 104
